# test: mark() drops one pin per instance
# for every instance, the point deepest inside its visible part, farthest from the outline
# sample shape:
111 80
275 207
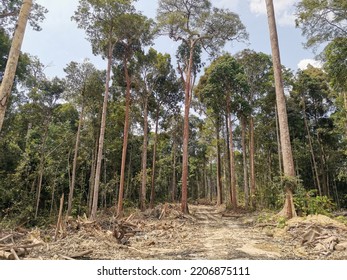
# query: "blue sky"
60 42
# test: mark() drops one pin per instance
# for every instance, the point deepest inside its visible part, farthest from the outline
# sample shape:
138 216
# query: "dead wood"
20 246
266 225
81 254
6 237
15 254
163 212
6 255
66 258
59 222
77 255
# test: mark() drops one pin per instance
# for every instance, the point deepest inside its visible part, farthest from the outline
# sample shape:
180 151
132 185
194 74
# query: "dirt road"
208 235
204 234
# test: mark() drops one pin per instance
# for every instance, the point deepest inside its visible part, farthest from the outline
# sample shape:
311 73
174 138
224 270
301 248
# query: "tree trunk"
288 163
187 99
125 139
74 165
227 158
52 196
92 178
41 166
233 192
219 175
324 171
278 145
144 156
314 162
127 187
251 162
11 66
154 160
102 136
174 186
244 159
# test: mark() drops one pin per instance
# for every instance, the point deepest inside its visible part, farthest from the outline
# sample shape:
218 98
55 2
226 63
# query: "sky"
61 42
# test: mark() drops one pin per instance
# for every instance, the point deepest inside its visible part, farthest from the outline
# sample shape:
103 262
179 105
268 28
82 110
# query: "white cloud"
230 4
303 64
284 10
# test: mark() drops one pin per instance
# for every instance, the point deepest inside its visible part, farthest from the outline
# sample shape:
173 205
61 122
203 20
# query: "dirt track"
204 234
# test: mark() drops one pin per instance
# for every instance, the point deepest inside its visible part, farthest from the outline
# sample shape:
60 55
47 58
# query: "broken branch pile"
319 234
11 249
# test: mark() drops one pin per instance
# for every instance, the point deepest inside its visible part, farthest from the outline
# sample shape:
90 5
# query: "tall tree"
312 89
80 81
167 95
136 32
288 162
47 95
160 88
257 68
100 20
11 66
220 89
195 23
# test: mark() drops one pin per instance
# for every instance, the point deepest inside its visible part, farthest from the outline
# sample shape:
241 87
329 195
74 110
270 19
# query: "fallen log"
6 255
6 237
15 254
81 254
17 247
66 258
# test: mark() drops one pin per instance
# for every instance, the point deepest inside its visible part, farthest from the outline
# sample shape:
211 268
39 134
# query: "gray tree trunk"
74 164
102 136
144 156
288 163
11 66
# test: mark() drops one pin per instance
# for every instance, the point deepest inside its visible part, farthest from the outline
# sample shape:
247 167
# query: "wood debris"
319 234
12 249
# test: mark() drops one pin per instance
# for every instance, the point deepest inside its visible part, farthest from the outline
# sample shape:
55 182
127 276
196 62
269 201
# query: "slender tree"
80 81
161 86
288 162
136 31
100 20
11 66
257 68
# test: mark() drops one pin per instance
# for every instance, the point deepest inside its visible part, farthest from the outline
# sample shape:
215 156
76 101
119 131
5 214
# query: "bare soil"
207 233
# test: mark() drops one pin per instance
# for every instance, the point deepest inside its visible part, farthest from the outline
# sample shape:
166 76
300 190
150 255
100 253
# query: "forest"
157 136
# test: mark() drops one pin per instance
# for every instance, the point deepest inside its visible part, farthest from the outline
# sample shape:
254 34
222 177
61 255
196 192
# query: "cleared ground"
207 233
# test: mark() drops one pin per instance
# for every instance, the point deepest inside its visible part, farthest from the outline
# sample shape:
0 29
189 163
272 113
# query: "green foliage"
200 22
270 196
309 203
335 56
100 20
9 11
289 182
321 20
341 219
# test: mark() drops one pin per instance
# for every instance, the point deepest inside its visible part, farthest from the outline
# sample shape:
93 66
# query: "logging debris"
166 233
14 246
